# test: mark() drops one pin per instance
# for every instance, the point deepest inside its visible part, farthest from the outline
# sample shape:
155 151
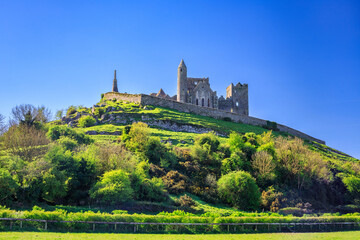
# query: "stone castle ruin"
194 95
197 91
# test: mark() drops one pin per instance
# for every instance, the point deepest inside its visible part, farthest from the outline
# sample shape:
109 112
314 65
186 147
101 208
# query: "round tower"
115 88
181 82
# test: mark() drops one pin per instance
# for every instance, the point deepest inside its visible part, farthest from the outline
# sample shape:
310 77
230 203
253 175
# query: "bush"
56 132
8 187
67 143
237 161
99 111
185 201
271 126
352 184
175 182
240 190
71 110
86 121
114 187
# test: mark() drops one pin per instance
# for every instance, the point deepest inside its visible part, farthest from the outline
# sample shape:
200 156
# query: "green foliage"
86 121
237 161
146 188
175 182
80 174
67 142
59 114
139 135
206 150
352 184
186 201
271 126
240 190
8 187
71 110
56 132
54 185
114 187
99 111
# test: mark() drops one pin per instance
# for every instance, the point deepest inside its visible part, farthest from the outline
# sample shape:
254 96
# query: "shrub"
114 187
208 139
175 182
70 110
67 143
237 161
271 126
185 201
352 184
240 190
270 199
99 111
298 164
291 211
8 186
227 119
25 141
264 165
56 132
139 135
86 121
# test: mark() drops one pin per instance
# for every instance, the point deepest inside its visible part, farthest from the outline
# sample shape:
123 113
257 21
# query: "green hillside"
148 159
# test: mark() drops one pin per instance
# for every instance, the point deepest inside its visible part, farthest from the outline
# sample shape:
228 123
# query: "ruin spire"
115 88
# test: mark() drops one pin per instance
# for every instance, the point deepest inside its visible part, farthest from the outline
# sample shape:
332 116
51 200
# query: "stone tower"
115 88
181 82
237 96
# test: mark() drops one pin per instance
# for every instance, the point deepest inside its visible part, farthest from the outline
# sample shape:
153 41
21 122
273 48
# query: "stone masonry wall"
136 98
204 111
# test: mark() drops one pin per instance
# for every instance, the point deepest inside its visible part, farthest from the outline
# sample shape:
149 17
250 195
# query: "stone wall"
204 111
136 98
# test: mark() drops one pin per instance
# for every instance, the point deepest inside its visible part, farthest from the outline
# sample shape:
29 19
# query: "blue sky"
301 59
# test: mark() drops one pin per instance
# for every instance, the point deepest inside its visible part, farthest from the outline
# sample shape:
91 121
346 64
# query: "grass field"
270 236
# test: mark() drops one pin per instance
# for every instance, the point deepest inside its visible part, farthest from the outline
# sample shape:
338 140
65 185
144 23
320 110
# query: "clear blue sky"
301 59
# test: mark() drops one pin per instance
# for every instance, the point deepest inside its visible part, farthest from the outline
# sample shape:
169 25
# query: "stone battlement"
144 99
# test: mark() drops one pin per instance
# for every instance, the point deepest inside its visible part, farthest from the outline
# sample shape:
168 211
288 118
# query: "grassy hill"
131 112
106 158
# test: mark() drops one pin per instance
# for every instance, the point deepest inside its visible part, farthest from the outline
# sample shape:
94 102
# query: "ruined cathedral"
197 91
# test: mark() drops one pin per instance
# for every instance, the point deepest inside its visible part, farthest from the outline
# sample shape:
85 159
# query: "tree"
299 164
25 141
8 186
139 135
206 150
240 190
263 163
59 114
30 115
113 187
2 124
237 161
352 184
86 121
54 187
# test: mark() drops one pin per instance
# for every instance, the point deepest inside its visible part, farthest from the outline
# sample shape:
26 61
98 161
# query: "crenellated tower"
181 82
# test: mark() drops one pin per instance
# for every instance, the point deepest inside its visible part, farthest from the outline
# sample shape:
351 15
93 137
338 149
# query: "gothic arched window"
197 101
203 102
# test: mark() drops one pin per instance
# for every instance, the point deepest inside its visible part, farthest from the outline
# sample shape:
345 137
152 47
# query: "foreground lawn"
270 236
